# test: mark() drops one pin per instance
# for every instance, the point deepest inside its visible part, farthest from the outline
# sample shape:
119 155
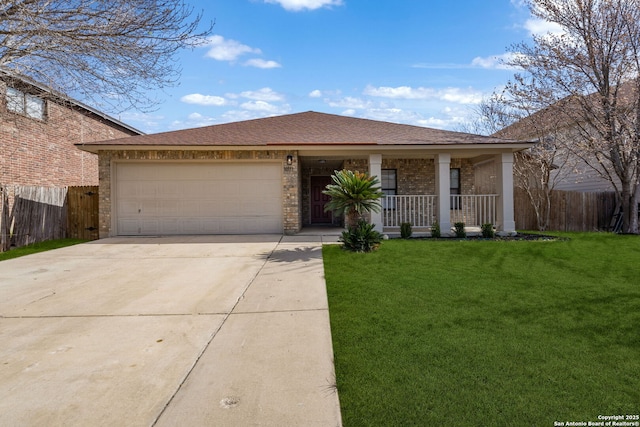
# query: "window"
25 104
388 185
454 179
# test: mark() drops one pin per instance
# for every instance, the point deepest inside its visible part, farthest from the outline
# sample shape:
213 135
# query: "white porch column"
443 189
504 180
375 169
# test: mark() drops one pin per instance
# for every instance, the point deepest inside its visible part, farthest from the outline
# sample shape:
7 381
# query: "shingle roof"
307 129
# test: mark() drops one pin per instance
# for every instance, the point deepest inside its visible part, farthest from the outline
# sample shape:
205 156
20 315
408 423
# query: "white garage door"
198 198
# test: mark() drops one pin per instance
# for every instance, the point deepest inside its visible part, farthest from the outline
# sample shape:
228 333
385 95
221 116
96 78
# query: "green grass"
38 247
486 333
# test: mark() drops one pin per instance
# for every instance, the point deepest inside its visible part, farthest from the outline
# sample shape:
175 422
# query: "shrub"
405 230
435 230
353 194
361 238
487 231
458 229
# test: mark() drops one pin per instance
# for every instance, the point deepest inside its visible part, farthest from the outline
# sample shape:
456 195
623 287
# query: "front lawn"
486 333
39 247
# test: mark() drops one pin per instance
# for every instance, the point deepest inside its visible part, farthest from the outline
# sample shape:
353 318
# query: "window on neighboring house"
388 185
454 179
25 104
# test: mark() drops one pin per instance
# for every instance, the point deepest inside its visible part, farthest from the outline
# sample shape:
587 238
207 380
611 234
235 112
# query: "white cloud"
456 95
460 96
261 63
222 49
259 106
264 94
315 94
206 100
400 92
495 62
298 5
264 109
193 120
351 103
540 27
146 122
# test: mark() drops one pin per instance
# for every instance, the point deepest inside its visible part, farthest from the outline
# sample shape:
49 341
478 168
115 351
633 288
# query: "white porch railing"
473 210
419 210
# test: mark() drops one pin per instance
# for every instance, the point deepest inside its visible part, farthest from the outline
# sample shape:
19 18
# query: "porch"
421 211
474 190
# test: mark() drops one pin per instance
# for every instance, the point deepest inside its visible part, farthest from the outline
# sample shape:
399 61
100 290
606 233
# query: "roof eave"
506 146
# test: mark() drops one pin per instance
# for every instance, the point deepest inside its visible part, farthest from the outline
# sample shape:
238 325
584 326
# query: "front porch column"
505 217
375 169
443 189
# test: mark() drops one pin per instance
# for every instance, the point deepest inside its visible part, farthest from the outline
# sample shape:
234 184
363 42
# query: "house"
573 158
267 176
38 130
562 126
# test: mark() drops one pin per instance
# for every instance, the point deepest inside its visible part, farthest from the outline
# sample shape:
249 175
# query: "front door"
318 200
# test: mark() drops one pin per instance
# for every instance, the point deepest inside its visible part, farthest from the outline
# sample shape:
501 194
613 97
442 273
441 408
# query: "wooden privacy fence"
35 214
82 212
570 211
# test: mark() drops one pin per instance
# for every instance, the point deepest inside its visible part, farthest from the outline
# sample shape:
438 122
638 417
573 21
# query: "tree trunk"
352 218
629 208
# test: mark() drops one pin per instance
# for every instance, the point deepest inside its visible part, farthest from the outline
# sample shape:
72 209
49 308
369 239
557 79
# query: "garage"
171 198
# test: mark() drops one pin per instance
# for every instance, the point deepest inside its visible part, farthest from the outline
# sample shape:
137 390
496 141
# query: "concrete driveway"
197 331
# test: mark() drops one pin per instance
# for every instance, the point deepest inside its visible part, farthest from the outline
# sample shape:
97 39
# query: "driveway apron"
190 330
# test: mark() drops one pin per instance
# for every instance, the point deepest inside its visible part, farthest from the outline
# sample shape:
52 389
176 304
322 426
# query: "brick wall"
418 176
42 153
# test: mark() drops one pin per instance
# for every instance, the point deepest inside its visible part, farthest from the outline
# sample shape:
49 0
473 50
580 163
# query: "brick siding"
42 152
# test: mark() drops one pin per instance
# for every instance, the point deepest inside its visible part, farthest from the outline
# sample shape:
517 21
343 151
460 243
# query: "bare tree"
106 52
589 73
490 116
542 167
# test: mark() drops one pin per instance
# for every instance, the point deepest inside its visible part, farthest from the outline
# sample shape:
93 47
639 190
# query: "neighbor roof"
11 78
307 129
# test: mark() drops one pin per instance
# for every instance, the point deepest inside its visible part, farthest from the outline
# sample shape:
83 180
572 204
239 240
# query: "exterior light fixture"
289 159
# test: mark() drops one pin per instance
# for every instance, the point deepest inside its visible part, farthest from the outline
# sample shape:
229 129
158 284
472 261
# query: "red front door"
318 200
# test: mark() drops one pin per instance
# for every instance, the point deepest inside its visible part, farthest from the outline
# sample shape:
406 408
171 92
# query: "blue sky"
424 63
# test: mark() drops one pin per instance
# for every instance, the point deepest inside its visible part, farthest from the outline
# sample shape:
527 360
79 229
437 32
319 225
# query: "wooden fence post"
4 219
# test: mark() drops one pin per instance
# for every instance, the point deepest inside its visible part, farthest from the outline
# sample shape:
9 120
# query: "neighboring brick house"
267 176
38 130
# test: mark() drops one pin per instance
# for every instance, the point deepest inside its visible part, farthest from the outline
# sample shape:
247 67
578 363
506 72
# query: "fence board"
38 214
570 211
82 212
4 219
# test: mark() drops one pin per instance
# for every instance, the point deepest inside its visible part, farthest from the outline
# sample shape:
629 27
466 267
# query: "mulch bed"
518 236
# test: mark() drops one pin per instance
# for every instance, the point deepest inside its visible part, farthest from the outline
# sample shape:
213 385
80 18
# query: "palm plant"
352 195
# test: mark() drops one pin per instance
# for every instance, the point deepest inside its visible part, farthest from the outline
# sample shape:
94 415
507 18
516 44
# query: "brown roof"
309 129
